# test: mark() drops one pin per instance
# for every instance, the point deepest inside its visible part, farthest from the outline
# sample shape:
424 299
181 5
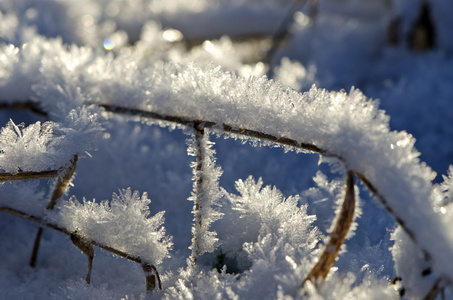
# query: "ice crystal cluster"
158 103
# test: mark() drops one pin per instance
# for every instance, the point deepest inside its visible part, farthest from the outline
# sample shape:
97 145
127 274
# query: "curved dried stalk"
152 276
338 235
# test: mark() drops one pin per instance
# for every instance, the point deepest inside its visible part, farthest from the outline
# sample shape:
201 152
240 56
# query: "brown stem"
28 175
34 253
87 249
62 183
152 276
338 235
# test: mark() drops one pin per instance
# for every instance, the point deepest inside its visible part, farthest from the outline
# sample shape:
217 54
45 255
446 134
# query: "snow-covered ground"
378 108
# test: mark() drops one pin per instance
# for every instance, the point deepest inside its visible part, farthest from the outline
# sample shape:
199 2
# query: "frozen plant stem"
62 184
198 192
338 235
86 246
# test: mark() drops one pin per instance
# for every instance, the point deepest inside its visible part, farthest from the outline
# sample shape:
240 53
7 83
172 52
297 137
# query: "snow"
337 89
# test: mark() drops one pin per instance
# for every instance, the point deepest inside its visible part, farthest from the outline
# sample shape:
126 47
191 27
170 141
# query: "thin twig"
60 187
63 183
338 235
281 34
24 105
28 175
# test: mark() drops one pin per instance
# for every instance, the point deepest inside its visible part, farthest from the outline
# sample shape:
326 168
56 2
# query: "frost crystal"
31 148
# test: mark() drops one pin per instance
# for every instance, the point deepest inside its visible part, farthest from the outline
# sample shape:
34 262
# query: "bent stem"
152 276
60 187
338 235
88 250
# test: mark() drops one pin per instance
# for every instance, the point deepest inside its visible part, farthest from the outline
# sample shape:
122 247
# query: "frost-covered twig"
40 221
205 192
77 236
197 193
338 235
227 128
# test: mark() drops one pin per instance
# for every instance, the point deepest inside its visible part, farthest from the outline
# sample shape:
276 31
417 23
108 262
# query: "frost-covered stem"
198 192
60 187
39 220
152 276
227 128
28 175
205 194
338 235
